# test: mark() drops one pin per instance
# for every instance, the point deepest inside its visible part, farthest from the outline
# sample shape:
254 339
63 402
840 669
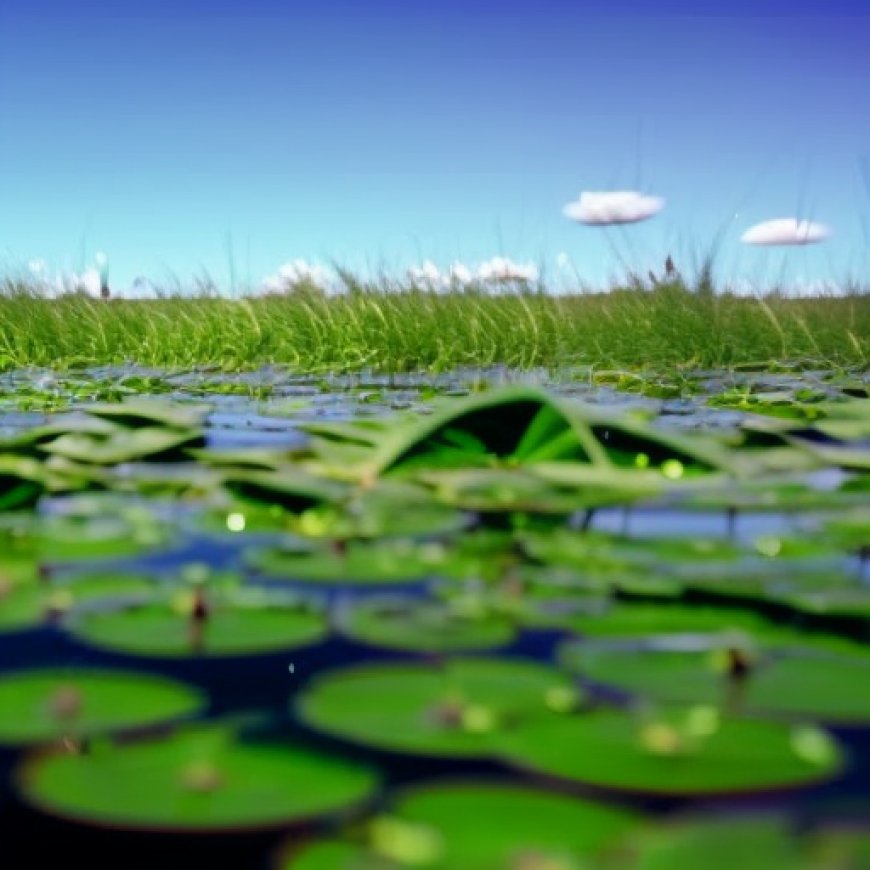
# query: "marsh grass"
386 327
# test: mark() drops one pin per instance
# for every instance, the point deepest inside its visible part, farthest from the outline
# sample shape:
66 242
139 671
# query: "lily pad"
441 826
201 779
70 538
717 844
713 671
456 709
45 705
422 626
496 490
144 411
384 562
222 623
389 509
125 445
688 751
290 488
22 482
27 605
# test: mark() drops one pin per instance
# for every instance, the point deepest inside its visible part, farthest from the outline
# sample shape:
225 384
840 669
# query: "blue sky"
383 133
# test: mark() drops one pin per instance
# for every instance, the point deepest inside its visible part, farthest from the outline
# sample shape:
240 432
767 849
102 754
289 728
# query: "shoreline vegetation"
391 328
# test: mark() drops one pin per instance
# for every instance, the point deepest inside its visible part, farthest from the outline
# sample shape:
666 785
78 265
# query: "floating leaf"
456 709
197 780
212 623
45 705
688 751
421 626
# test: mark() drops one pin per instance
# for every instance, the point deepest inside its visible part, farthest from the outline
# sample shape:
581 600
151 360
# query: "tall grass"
380 327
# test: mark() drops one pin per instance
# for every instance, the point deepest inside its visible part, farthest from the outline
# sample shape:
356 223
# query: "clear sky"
386 132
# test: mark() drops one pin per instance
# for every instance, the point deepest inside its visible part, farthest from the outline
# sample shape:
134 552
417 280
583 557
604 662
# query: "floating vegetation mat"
471 622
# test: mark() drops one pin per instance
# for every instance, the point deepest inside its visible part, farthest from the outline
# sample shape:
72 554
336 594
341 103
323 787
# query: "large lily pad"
717 844
44 705
144 411
384 562
422 626
290 488
458 709
71 538
201 779
218 623
125 445
688 751
712 671
26 605
22 482
521 425
454 826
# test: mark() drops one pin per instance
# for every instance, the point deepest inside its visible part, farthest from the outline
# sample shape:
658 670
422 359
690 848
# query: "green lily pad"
22 482
514 423
198 780
389 509
221 623
125 445
456 709
423 626
69 538
689 751
814 685
356 562
497 490
143 411
331 855
44 705
838 847
637 620
845 601
518 425
852 530
717 844
533 825
290 488
440 826
27 605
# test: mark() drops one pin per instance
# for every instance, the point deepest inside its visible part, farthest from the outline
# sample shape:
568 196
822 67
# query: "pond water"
264 620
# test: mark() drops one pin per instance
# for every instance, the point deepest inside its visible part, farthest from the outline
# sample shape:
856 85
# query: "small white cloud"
459 273
89 281
37 266
427 274
74 282
785 231
504 269
100 258
563 261
298 271
613 207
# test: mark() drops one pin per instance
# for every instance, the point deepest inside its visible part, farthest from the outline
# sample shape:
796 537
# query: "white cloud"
563 261
72 282
504 269
613 207
298 271
785 231
460 273
427 274
100 258
37 266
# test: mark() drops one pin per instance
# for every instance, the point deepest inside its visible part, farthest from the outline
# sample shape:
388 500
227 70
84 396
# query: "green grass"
385 328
